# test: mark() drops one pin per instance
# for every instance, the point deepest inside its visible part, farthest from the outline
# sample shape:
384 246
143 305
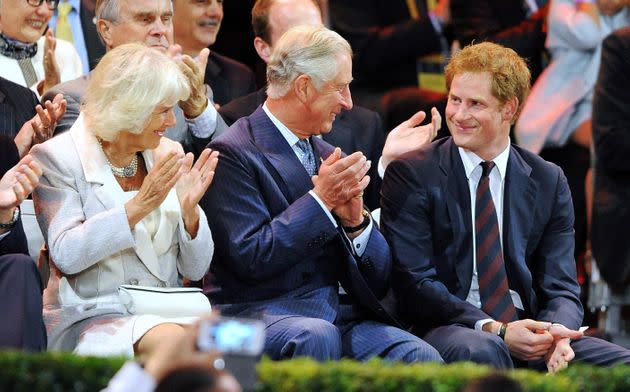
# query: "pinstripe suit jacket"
17 105
274 245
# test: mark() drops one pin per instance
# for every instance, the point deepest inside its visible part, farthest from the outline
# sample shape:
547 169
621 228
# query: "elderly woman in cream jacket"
117 204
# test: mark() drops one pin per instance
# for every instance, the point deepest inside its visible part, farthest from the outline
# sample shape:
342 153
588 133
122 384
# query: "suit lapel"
295 180
94 165
459 211
519 196
215 81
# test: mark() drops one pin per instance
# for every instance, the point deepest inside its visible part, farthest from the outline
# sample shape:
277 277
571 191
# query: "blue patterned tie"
493 284
307 157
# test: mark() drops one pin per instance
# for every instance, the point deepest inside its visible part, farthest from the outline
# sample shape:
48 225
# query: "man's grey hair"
127 85
107 10
305 50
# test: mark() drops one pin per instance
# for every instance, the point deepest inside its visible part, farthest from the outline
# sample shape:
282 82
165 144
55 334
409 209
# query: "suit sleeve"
554 272
611 118
252 239
15 241
406 221
195 254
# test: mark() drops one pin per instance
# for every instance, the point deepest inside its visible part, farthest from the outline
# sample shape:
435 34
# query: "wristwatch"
360 226
13 221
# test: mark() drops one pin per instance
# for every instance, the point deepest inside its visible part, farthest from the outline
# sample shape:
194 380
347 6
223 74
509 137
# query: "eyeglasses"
52 4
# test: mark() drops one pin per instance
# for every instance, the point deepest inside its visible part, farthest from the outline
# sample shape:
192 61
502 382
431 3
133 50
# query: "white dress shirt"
472 167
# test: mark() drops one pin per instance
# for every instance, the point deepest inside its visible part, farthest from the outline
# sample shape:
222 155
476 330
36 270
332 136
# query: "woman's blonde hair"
127 85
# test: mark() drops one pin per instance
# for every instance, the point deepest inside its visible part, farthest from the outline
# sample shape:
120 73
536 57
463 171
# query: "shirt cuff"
381 168
131 377
321 204
479 324
4 235
360 242
204 125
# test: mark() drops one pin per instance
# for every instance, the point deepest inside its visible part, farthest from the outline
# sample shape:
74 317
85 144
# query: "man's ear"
302 88
263 49
104 28
509 109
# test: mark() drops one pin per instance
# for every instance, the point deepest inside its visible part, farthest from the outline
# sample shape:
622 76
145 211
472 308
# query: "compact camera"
229 335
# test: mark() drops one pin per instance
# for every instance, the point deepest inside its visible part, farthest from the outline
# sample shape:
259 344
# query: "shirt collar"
471 160
286 132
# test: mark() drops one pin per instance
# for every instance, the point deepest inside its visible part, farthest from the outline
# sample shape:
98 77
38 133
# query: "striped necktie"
493 283
63 29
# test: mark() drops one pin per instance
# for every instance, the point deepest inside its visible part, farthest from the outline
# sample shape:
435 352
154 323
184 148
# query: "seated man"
289 222
356 129
196 25
482 231
150 21
20 285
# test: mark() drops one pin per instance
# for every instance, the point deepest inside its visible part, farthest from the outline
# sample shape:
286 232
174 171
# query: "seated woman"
117 204
26 56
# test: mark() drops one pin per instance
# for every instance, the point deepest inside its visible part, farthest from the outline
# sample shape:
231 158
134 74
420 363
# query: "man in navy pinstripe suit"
288 221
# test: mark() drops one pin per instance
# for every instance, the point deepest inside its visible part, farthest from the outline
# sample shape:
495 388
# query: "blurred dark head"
494 383
196 379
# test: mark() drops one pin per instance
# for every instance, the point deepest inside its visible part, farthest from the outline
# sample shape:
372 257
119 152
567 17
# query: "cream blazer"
80 209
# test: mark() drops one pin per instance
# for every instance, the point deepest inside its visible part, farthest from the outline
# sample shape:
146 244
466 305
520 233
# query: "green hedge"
52 372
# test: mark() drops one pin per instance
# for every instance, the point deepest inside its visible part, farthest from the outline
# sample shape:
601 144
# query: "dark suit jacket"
358 129
504 22
228 78
611 140
385 40
273 241
17 106
15 241
93 44
426 218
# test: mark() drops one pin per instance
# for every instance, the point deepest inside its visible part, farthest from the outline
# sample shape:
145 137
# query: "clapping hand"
51 68
41 127
19 182
195 70
340 179
155 186
196 179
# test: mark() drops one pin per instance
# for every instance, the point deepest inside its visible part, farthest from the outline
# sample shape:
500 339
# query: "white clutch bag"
165 302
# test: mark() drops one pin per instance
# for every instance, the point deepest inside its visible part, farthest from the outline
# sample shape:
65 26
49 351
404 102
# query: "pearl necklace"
125 171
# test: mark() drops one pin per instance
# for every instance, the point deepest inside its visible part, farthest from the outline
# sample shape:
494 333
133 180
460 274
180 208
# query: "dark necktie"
493 284
307 157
